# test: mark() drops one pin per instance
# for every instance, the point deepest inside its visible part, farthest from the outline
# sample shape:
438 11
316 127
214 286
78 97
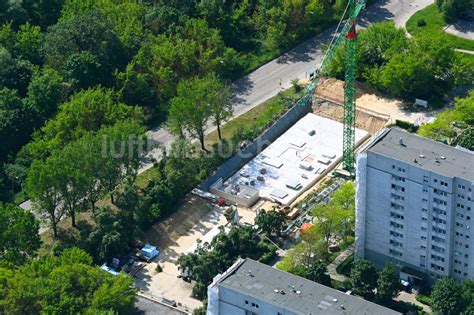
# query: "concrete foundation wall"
237 161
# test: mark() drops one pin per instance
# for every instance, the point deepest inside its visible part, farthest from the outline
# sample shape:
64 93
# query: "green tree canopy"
87 111
388 283
19 238
84 49
447 297
63 285
364 278
270 221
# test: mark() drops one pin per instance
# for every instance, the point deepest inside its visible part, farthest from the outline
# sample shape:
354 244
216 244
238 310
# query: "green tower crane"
349 35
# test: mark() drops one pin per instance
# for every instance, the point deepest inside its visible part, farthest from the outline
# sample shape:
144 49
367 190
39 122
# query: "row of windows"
438 239
442 183
459 224
461 206
439 211
458 262
437 258
437 249
398 188
397 197
400 169
459 272
436 267
440 192
439 230
396 234
395 253
458 243
398 178
462 235
460 215
439 201
396 207
397 225
438 220
395 243
458 253
253 304
396 215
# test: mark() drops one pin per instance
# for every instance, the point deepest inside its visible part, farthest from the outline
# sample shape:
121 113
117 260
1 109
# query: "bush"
158 268
406 125
423 299
345 266
421 22
269 256
296 85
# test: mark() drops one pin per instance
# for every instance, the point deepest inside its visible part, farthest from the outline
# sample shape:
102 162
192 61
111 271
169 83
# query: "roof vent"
422 156
334 300
343 307
298 292
415 160
443 157
276 291
400 141
250 273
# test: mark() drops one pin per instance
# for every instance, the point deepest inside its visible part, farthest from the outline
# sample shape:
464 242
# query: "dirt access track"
174 236
369 105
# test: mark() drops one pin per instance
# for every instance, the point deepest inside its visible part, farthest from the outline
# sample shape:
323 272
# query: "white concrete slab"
296 156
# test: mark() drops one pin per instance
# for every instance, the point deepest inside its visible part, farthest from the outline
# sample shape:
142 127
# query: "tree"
210 259
270 221
84 49
110 237
364 278
45 91
219 101
317 272
86 111
44 188
447 297
65 284
189 110
388 283
14 127
28 43
19 238
452 126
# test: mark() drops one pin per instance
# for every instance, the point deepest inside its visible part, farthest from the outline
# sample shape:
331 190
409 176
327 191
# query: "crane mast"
348 35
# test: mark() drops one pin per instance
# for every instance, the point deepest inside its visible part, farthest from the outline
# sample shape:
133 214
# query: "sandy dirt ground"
364 121
369 100
175 236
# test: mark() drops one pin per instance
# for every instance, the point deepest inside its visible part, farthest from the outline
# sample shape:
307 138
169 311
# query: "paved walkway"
339 259
410 298
461 28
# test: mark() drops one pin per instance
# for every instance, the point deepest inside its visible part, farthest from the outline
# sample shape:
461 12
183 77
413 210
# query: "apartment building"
414 205
250 288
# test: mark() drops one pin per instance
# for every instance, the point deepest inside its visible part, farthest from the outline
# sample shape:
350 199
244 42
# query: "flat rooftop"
265 283
293 162
437 157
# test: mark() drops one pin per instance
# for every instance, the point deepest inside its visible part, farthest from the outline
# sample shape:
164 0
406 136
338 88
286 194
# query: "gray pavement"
462 28
264 83
339 259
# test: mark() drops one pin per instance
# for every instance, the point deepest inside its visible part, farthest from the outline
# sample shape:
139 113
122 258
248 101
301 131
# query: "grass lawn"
434 26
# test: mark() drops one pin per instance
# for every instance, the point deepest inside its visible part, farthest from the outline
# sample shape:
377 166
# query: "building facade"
251 288
414 205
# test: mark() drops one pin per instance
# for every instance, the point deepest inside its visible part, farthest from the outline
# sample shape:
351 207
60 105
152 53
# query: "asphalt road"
264 83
